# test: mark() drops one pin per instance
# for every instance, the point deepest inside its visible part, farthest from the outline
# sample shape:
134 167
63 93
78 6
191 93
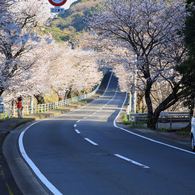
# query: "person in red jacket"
19 107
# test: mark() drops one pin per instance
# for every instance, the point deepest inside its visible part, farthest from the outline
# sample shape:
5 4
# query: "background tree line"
70 25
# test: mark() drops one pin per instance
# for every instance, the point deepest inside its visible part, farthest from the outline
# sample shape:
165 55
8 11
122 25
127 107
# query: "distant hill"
70 24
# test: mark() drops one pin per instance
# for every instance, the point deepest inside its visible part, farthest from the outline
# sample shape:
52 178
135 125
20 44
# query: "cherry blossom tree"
18 36
61 68
87 74
149 30
57 67
73 69
34 80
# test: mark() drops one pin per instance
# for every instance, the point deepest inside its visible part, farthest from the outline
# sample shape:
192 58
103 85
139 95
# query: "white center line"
77 131
75 125
91 141
132 161
78 121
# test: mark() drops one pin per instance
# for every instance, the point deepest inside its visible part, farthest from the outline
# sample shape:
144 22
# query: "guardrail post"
4 112
170 123
14 111
31 106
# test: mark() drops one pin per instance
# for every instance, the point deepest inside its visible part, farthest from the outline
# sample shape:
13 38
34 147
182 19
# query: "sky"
65 6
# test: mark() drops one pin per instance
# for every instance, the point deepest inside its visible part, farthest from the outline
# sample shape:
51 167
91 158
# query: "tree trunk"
139 102
40 99
12 109
69 93
1 90
168 102
150 122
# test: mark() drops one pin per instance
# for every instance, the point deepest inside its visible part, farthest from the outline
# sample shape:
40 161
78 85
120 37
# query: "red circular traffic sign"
57 2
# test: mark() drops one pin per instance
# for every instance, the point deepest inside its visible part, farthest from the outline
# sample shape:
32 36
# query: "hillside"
70 24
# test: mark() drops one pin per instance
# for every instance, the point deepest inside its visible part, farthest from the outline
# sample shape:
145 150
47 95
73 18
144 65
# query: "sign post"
1 108
57 4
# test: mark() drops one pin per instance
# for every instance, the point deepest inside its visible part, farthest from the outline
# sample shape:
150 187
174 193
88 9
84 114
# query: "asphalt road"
84 152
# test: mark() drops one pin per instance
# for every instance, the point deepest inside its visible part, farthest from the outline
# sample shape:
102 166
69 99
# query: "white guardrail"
163 114
39 108
165 117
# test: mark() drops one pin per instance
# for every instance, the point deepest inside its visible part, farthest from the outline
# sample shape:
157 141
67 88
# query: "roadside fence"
165 117
40 108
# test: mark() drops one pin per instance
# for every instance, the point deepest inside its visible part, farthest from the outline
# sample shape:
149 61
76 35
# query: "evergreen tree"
187 68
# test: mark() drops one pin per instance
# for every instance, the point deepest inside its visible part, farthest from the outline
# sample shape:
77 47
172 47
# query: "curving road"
84 152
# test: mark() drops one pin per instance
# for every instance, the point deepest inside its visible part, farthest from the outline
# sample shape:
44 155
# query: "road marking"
37 172
78 121
77 131
91 141
149 139
132 161
75 125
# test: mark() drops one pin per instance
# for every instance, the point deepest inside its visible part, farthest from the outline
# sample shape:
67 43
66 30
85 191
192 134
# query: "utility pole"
134 86
129 106
31 105
134 92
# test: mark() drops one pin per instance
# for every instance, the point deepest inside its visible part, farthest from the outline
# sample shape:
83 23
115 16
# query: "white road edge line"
152 140
132 161
77 131
95 144
45 181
